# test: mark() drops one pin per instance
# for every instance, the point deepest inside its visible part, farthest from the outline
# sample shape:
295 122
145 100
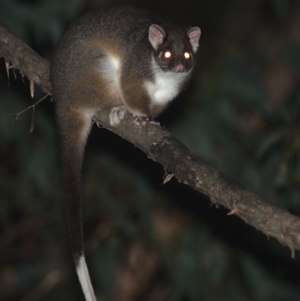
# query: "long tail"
74 128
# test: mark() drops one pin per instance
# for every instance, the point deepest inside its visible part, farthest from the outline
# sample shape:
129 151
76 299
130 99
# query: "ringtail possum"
122 59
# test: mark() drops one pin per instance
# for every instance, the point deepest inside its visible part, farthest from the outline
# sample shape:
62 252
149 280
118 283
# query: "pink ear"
194 34
156 35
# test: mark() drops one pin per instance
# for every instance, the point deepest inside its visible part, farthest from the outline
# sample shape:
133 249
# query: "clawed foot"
116 115
142 120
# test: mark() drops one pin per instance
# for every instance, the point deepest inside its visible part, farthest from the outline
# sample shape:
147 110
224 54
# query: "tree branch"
19 55
175 157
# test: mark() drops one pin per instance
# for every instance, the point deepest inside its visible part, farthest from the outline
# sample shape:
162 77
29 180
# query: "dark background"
146 241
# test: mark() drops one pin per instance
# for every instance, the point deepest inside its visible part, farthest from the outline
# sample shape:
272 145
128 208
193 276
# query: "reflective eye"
187 55
167 54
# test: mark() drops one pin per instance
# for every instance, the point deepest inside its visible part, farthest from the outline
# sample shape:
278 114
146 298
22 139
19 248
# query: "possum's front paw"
116 115
142 120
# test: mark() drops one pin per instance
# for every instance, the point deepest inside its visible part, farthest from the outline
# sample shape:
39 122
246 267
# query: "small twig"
168 178
32 88
33 111
30 107
7 67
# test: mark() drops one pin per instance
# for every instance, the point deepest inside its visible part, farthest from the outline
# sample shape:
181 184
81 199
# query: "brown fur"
102 62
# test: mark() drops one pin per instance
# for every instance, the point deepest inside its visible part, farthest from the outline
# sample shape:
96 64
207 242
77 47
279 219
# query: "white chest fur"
166 85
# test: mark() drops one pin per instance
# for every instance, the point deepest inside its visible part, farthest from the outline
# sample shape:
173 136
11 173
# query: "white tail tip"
84 279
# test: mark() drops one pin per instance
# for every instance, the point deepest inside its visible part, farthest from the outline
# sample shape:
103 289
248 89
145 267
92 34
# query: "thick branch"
19 55
189 169
175 157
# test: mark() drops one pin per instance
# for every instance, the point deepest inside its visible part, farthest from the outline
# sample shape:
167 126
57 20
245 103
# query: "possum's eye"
187 55
167 54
